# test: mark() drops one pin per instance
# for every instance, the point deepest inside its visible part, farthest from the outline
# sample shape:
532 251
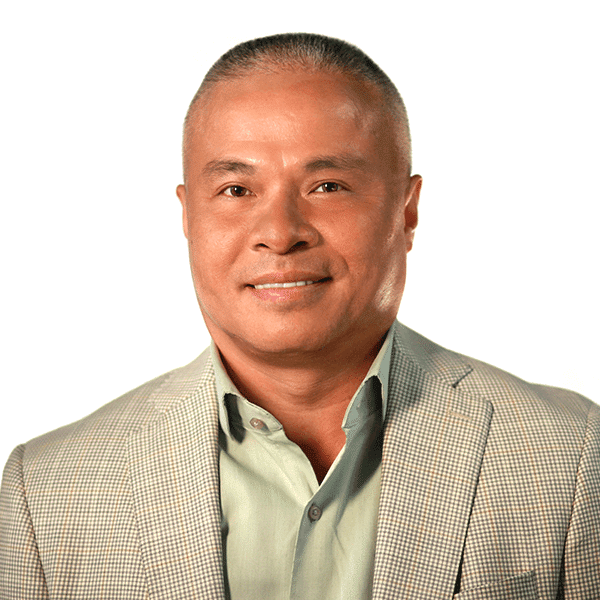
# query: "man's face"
297 180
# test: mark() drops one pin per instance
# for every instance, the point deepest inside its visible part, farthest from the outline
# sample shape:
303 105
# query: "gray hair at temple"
307 51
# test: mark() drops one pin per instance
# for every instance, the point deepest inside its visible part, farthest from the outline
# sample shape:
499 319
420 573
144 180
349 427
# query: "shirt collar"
360 405
364 403
224 386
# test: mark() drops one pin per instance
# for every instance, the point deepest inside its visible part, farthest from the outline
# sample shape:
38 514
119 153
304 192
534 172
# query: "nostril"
299 245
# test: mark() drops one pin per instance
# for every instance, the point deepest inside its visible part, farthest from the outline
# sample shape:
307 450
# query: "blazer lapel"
433 448
175 484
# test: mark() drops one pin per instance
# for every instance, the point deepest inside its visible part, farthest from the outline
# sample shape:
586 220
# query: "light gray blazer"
490 490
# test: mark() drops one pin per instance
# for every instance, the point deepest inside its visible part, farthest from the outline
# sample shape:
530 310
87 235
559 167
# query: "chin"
288 342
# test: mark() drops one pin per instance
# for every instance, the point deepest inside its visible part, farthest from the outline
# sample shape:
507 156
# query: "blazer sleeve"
21 573
582 548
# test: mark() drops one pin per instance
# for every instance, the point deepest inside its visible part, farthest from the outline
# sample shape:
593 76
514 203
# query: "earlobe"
181 194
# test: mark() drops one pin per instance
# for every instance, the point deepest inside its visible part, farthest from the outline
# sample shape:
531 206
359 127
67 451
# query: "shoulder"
99 438
541 441
509 395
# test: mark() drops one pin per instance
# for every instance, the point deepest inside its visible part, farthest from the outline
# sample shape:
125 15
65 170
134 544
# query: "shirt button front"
257 423
314 513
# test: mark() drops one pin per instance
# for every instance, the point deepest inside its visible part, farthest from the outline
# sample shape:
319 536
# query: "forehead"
304 95
300 111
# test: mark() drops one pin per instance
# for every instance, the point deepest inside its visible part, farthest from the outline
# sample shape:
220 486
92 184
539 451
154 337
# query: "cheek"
380 261
213 238
392 285
394 275
213 251
369 240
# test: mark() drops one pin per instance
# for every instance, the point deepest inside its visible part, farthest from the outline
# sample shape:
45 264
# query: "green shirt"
284 535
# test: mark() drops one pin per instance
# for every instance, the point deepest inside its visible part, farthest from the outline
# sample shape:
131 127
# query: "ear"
181 194
411 209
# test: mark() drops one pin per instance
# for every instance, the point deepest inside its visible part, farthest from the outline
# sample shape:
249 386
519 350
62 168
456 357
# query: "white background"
96 296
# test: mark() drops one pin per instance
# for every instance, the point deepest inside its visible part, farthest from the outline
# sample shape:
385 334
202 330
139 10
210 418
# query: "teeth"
267 286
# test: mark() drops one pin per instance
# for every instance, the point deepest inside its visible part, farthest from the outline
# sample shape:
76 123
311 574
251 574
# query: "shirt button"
314 513
257 423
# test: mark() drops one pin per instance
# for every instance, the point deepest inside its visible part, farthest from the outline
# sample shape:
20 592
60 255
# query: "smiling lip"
286 280
268 286
289 290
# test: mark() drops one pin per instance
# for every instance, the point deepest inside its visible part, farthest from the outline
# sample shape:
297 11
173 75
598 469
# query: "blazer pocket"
520 587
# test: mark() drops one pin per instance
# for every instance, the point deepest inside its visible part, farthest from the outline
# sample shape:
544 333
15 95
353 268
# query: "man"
318 449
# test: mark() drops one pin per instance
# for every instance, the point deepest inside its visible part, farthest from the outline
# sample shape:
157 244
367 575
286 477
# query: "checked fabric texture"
490 491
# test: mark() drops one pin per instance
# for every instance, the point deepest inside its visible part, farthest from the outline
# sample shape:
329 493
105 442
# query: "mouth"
289 289
287 284
286 280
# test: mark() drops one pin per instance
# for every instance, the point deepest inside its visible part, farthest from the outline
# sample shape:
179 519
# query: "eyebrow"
214 167
336 161
344 161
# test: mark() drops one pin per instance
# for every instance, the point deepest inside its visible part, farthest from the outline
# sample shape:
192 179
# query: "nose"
281 226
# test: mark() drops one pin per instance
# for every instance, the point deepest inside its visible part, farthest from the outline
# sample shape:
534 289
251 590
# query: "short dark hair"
307 51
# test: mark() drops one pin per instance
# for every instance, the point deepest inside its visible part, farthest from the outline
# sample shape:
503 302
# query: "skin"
298 176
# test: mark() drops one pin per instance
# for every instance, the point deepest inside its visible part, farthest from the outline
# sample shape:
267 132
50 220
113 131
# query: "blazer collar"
173 465
434 442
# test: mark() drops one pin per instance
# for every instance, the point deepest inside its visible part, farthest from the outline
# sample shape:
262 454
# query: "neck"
302 382
308 396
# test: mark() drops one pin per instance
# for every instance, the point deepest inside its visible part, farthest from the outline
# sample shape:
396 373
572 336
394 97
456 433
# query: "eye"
329 186
237 191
